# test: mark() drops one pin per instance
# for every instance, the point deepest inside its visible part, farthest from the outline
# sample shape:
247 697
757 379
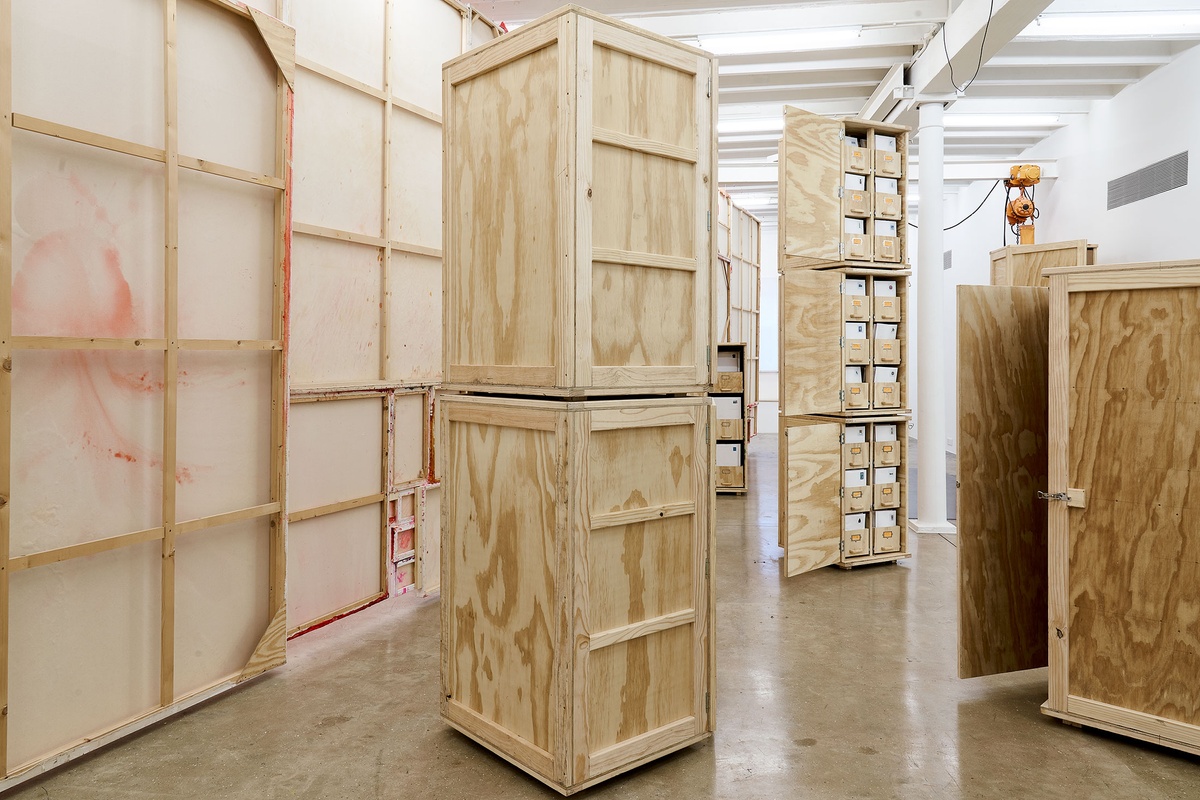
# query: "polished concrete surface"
831 685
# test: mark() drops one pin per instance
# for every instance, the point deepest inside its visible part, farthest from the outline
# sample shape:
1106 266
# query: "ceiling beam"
965 170
738 19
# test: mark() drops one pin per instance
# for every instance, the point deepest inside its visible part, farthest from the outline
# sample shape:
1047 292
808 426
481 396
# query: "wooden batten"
575 298
1023 265
578 489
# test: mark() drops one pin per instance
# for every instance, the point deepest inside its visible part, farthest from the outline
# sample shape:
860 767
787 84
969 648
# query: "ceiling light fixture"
1118 25
732 44
953 120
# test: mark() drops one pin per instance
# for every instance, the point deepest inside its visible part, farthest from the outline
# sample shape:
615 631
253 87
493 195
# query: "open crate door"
810 172
810 506
1002 463
810 348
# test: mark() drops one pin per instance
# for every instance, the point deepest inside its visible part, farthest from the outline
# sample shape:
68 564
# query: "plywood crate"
842 192
579 193
1120 449
739 293
577 608
843 498
1022 264
818 351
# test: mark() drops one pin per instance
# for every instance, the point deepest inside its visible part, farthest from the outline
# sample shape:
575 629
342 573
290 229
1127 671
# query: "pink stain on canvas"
71 283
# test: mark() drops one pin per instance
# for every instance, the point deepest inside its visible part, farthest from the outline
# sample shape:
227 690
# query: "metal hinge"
841 545
709 88
841 192
706 434
708 355
841 438
842 135
841 248
706 567
841 491
1074 498
842 395
709 221
707 703
842 342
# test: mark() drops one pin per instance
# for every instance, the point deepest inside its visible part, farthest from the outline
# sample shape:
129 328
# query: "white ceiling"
1044 64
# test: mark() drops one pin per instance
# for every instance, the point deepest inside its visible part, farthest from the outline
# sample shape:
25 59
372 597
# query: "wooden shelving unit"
733 418
739 291
843 456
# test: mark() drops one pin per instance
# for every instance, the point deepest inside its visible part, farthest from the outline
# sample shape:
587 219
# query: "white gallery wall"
768 376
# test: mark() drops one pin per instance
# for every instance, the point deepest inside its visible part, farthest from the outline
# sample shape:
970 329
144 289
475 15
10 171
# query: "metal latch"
1074 498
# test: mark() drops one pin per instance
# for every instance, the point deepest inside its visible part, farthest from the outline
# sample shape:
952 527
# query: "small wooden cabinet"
843 491
1022 264
733 426
842 192
843 335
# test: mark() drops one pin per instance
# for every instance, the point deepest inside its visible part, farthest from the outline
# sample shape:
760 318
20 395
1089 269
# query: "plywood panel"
810 171
409 454
415 180
415 319
429 530
87 241
96 417
224 432
226 89
333 563
99 666
639 97
640 467
1022 265
641 571
119 93
643 203
810 514
226 251
1002 462
810 350
1134 637
642 316
502 536
335 312
429 33
337 162
636 686
336 452
503 185
217 631
346 36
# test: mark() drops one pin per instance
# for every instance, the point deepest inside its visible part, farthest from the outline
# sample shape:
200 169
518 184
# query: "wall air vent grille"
1163 176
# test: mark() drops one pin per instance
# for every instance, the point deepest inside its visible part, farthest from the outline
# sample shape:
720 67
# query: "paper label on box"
855 182
885 227
855 477
856 433
854 375
728 407
885 519
887 185
887 143
885 475
856 522
855 226
729 455
886 330
885 288
856 287
856 330
886 374
885 432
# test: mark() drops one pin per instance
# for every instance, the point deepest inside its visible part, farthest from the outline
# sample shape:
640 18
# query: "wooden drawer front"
856 307
887 495
858 246
888 206
887 454
887 248
858 203
858 395
888 164
887 540
887 351
887 395
729 382
856 455
729 429
856 543
858 351
856 499
858 159
887 309
731 477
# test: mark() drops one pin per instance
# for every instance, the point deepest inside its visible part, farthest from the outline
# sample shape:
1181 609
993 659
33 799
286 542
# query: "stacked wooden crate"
733 417
739 290
577 608
843 367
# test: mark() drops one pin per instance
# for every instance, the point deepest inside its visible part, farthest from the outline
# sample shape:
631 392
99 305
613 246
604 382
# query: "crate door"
810 505
645 199
810 350
1130 393
1002 461
810 172
642 600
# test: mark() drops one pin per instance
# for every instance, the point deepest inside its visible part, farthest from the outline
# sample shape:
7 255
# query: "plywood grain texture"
1134 550
152 383
578 233
1002 462
810 349
577 611
810 164
810 505
1022 265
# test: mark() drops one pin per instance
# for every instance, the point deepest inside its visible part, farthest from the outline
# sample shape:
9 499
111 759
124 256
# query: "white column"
931 366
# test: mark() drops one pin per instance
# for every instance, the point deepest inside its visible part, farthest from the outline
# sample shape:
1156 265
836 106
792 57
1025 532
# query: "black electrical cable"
973 213
982 45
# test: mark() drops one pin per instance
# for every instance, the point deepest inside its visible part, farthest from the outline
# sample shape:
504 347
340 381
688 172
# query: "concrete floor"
834 684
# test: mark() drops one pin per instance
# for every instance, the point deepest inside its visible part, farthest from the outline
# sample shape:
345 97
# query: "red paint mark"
126 456
320 625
